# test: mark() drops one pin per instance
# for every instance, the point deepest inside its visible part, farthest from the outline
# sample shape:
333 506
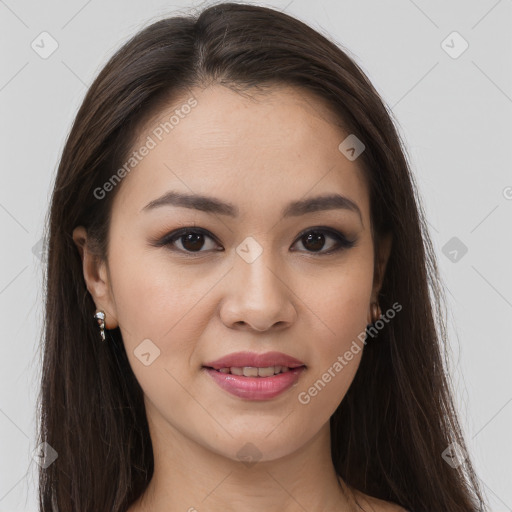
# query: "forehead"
255 151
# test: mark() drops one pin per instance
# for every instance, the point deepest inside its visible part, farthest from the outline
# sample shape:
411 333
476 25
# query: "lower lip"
256 388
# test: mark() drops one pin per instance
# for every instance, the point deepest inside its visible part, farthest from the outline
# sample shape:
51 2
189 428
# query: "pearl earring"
100 317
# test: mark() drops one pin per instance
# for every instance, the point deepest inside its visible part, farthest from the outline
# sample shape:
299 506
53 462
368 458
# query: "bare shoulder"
376 504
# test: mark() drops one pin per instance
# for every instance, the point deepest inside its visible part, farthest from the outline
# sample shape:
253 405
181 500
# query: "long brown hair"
397 418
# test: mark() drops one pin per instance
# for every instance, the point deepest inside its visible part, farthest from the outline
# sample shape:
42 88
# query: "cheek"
153 298
162 313
335 361
343 311
340 301
337 332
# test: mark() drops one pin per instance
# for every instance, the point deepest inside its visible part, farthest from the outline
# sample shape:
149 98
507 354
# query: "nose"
258 297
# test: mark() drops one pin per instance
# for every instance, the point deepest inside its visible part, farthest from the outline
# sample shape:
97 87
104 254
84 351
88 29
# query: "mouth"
252 371
261 361
253 383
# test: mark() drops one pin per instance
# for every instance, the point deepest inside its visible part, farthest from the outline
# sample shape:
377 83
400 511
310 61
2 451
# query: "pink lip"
255 388
241 359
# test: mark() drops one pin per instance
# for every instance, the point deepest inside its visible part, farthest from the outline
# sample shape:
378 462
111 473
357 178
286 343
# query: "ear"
96 278
381 261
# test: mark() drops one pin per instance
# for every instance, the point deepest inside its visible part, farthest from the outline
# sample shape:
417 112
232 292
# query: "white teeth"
265 372
251 371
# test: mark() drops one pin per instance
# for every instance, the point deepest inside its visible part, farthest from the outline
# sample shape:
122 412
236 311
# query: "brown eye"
314 240
191 240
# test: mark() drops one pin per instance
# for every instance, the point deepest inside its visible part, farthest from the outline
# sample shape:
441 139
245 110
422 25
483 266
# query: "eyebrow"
293 209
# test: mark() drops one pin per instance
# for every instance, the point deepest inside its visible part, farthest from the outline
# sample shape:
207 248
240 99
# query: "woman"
238 307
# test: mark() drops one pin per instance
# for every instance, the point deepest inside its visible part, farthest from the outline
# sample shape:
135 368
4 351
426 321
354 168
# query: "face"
257 274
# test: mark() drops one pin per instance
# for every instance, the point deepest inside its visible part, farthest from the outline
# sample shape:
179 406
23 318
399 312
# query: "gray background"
454 115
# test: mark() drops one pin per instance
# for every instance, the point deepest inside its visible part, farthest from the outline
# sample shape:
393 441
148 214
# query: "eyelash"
343 242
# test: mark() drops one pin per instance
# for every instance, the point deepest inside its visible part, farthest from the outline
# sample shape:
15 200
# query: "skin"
258 153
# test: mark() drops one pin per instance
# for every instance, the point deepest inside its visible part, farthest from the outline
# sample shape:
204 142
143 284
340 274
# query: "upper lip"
265 360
